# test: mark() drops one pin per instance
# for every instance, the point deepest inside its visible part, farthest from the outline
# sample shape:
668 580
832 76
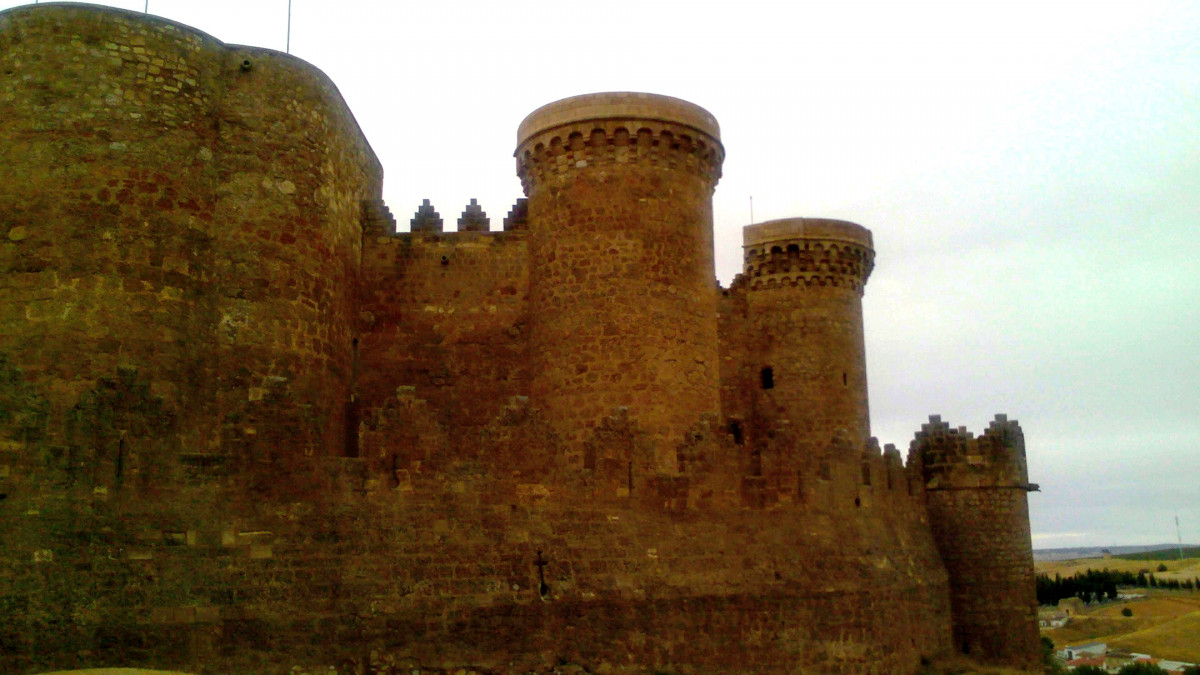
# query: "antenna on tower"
1178 538
751 209
288 48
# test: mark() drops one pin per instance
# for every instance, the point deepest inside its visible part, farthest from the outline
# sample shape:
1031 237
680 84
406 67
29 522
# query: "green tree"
1191 670
1052 666
1162 567
1127 612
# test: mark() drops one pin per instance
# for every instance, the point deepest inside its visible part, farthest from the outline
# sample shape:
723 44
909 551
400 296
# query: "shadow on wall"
116 671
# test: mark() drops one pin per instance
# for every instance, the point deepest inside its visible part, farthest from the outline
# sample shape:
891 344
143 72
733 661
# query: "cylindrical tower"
185 209
805 279
976 491
622 291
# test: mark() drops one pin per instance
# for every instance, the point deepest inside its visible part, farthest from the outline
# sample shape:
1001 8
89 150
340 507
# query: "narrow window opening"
768 378
857 502
630 478
735 428
543 589
844 380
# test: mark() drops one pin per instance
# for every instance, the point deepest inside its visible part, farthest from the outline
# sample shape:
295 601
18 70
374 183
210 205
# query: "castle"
245 424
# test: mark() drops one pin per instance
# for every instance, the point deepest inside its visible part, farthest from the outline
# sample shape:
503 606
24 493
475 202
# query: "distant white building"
1088 650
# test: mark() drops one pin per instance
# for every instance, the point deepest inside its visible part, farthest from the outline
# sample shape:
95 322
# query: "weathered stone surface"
246 426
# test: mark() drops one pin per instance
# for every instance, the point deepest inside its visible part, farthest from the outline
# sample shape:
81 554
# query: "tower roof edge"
617 105
790 229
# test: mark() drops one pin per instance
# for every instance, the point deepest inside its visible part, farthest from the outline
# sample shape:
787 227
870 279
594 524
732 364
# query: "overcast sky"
1030 171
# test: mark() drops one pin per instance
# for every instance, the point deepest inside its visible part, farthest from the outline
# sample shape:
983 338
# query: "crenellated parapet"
473 219
377 219
807 252
426 219
954 458
975 492
618 128
518 216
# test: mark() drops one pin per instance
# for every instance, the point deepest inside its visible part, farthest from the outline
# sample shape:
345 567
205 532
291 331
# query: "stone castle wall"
246 425
446 314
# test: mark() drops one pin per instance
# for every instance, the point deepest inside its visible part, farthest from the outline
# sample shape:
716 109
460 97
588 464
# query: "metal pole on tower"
289 30
751 209
146 9
1178 537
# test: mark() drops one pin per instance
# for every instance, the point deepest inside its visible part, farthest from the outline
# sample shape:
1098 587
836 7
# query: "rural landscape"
1160 619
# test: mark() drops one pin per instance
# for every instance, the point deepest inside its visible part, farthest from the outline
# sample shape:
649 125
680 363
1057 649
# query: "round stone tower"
622 290
976 491
804 280
184 209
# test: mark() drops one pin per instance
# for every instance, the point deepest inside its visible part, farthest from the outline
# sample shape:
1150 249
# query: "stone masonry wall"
441 570
445 314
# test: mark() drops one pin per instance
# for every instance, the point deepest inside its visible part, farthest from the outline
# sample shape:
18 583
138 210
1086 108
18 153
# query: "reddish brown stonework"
245 425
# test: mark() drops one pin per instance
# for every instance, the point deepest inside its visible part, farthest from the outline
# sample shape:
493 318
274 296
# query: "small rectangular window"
768 378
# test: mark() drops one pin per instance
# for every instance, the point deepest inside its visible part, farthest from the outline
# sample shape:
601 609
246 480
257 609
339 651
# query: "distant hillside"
1171 553
1168 552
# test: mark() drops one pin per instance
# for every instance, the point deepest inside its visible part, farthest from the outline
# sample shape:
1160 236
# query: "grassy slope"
1165 624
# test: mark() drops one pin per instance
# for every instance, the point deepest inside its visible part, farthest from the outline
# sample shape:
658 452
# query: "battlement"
622 128
378 221
954 458
807 252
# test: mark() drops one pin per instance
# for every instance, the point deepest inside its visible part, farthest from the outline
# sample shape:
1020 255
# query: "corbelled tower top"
809 251
618 127
622 105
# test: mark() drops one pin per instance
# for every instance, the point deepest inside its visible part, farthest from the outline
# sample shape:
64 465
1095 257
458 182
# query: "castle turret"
976 493
804 279
622 296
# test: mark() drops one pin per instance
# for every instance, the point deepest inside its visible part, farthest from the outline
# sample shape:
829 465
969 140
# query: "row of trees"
1096 585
